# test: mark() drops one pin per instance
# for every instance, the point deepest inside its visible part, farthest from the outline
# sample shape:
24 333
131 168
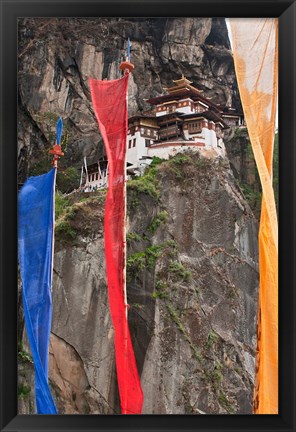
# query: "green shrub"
197 354
180 271
161 285
172 244
145 185
156 161
172 247
212 338
137 306
162 217
133 237
61 204
161 290
136 262
23 355
216 376
64 231
152 253
160 294
180 159
23 391
175 317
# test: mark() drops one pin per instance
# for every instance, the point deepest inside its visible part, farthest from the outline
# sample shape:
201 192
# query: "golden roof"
181 84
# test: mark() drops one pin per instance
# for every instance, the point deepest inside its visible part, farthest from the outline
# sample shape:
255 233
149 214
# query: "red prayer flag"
110 106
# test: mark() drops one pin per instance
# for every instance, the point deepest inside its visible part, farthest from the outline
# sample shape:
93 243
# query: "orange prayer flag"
255 51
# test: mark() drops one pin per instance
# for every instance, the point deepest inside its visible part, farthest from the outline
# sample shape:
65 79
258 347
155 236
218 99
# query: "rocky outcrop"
70 383
81 320
199 356
57 56
243 165
192 279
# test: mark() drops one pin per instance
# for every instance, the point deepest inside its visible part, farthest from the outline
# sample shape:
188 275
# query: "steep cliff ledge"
192 289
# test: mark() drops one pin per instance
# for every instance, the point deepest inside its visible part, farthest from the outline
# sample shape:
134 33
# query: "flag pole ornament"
255 52
109 100
35 253
57 149
126 66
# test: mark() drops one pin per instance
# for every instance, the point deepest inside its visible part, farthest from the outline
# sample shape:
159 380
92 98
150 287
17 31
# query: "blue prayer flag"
35 253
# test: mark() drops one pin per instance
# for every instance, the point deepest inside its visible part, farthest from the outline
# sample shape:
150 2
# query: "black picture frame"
10 11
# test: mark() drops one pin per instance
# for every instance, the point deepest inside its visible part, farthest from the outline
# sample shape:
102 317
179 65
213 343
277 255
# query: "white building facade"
182 119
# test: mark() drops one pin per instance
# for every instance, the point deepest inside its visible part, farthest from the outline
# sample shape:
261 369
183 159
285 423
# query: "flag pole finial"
126 66
57 150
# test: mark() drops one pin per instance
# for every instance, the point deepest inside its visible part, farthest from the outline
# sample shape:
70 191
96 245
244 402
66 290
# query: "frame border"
10 10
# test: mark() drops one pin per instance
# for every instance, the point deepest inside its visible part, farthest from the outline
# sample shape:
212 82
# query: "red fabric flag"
110 106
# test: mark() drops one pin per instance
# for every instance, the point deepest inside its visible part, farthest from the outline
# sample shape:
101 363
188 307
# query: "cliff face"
192 272
192 288
57 56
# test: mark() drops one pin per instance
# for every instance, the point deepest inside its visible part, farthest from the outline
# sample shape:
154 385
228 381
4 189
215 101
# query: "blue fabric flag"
35 253
59 130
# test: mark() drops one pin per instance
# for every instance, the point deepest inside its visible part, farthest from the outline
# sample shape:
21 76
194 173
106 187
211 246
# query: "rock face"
192 282
82 329
198 352
57 56
243 165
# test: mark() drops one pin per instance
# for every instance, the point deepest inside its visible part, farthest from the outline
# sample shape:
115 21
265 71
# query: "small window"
134 142
97 176
129 143
194 127
147 142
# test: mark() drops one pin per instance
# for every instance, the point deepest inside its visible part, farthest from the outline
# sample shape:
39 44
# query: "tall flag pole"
255 52
57 153
35 252
126 67
110 105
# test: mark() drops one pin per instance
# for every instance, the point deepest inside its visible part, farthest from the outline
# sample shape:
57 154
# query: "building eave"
209 115
183 93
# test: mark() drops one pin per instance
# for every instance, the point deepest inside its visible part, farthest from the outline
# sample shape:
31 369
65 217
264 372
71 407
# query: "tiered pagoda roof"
182 90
